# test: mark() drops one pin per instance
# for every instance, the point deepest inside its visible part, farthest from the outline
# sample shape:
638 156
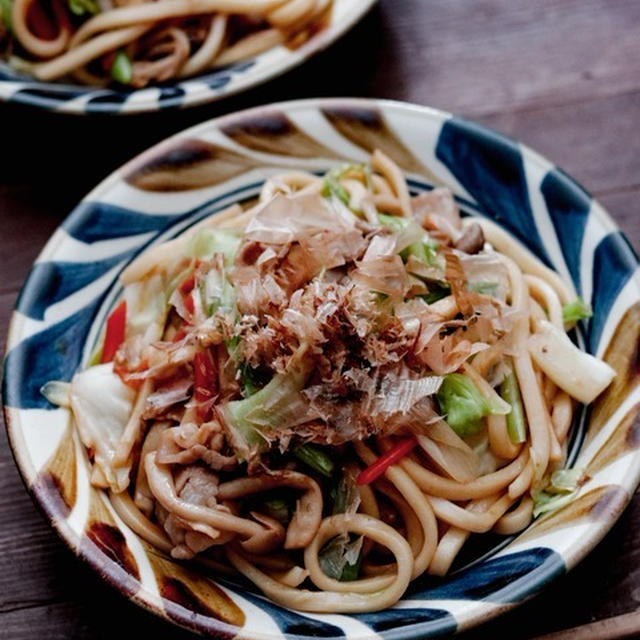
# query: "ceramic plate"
79 99
73 284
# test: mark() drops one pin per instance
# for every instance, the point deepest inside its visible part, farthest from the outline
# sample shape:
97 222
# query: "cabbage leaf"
463 406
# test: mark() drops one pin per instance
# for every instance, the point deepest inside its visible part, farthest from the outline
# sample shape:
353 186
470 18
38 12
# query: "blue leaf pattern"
52 354
491 169
400 624
96 221
614 262
568 205
57 280
503 579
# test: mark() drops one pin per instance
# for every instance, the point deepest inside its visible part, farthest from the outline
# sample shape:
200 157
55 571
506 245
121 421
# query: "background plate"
81 99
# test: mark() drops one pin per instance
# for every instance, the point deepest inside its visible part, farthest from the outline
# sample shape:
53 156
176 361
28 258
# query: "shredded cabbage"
101 405
463 406
333 188
561 490
485 288
252 422
340 558
217 292
146 308
207 242
576 310
565 480
412 239
396 223
57 392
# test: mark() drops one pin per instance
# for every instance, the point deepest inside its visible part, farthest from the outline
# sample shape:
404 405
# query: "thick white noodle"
338 601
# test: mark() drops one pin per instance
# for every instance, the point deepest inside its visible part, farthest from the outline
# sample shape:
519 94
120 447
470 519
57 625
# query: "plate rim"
25 466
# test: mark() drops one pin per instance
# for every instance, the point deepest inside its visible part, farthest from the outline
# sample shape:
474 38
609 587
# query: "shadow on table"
64 156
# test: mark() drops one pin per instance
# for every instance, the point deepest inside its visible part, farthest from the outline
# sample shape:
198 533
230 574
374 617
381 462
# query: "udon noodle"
330 390
137 42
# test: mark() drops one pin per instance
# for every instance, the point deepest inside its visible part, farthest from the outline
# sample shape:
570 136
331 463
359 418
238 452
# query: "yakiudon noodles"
332 390
137 42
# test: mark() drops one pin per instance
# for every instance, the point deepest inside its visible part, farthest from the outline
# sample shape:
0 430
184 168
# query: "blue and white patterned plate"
74 282
79 99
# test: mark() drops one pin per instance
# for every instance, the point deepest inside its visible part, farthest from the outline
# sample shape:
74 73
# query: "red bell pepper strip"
186 286
396 453
205 382
189 305
114 335
186 289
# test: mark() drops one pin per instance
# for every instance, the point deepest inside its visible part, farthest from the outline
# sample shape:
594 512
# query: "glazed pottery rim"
532 585
195 92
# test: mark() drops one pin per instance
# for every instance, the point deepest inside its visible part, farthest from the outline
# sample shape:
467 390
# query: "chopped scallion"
122 69
315 458
576 310
516 422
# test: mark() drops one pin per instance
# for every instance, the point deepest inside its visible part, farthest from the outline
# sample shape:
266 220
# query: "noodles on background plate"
138 42
330 391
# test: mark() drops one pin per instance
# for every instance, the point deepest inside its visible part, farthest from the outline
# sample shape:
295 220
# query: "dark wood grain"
559 75
489 56
592 139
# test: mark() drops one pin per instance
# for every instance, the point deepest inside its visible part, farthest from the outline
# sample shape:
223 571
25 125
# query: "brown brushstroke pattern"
625 438
603 503
57 482
111 541
190 598
189 164
272 132
367 128
623 354
102 532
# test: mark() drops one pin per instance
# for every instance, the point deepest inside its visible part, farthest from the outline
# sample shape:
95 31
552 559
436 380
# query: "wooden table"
563 76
